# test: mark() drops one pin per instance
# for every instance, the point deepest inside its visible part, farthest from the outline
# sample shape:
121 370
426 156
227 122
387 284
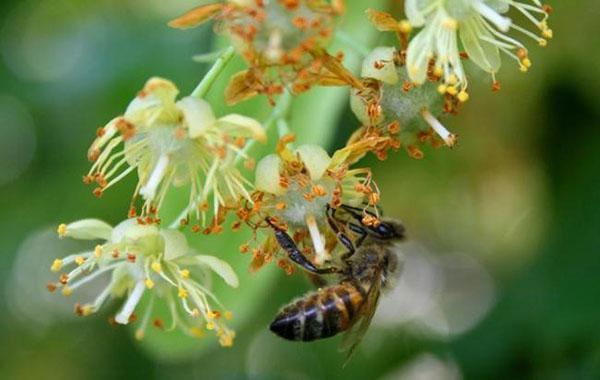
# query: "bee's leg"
287 243
356 212
382 230
367 204
317 280
360 230
342 237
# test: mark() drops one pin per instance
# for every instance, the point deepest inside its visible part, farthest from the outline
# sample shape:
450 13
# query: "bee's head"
389 229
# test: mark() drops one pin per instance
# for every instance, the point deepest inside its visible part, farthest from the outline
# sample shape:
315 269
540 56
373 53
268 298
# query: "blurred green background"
502 276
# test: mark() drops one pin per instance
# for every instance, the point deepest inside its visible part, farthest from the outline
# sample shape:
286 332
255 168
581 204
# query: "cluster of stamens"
295 186
173 144
282 41
139 260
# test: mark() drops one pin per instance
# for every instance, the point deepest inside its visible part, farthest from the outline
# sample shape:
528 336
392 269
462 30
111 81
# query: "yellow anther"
86 310
438 72
79 260
542 42
98 251
182 293
185 273
197 332
139 334
228 315
56 265
452 90
66 291
442 88
547 33
463 96
404 26
526 62
523 68
149 283
61 230
452 80
156 267
450 23
210 326
226 340
195 313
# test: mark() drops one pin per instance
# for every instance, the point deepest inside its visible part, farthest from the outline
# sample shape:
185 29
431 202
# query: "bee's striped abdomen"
320 314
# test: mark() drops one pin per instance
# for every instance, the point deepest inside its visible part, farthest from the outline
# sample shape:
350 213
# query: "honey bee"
349 305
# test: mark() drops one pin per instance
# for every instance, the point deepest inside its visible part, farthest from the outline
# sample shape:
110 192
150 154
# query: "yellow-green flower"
298 184
482 28
279 39
135 261
170 142
409 113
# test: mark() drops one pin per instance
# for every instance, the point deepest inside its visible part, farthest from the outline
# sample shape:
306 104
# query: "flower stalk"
206 83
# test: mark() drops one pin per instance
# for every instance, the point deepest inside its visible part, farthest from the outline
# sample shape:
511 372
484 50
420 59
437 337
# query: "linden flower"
390 106
176 143
138 260
278 38
481 26
297 185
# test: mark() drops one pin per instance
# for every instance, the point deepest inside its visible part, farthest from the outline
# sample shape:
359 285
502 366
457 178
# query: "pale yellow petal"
315 159
267 175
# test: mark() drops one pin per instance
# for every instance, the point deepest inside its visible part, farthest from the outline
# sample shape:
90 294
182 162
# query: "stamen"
93 276
140 332
449 138
148 191
315 234
501 22
61 230
132 301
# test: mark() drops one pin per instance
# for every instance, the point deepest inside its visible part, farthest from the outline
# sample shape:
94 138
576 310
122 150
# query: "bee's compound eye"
385 230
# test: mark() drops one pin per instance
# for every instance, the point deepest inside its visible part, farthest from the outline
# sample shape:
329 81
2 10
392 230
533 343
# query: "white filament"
148 191
449 138
317 240
501 22
132 301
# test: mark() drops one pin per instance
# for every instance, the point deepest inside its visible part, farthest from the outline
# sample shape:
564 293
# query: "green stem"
283 127
279 113
212 74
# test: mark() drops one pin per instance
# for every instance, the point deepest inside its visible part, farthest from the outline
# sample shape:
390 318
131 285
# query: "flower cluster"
400 97
144 260
282 41
177 143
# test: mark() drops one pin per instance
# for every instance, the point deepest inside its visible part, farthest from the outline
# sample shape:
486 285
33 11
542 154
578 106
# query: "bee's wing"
364 316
